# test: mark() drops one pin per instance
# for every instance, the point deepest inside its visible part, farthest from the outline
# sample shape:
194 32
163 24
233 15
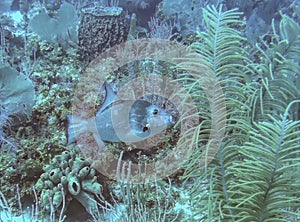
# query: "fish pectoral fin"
92 127
99 141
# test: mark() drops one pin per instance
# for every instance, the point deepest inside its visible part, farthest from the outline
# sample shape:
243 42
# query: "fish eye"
155 111
146 128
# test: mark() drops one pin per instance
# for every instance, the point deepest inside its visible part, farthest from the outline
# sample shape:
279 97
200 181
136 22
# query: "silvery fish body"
121 121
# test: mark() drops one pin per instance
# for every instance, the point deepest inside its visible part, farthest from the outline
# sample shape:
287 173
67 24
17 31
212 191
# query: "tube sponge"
71 176
74 186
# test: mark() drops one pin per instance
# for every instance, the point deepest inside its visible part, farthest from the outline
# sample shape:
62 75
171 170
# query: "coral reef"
53 73
67 177
253 52
187 15
260 14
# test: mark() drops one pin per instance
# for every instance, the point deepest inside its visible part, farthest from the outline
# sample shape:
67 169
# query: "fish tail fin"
76 126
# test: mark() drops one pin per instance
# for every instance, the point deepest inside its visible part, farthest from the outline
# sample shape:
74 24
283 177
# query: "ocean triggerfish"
121 121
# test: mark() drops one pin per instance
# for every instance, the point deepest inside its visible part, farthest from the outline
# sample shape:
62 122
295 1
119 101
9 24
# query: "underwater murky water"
149 110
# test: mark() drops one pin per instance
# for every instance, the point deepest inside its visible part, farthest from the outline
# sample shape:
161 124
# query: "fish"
119 120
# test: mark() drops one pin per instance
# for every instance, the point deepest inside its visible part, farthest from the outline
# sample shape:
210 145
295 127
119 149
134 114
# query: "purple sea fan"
16 97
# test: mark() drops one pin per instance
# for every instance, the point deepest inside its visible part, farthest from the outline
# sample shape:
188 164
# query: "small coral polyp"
66 177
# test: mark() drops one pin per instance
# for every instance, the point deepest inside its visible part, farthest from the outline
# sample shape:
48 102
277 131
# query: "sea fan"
16 99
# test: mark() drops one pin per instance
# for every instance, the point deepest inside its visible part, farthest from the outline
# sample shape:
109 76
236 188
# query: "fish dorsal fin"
109 97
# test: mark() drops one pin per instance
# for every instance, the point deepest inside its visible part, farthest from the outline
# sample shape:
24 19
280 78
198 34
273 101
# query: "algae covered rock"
66 177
